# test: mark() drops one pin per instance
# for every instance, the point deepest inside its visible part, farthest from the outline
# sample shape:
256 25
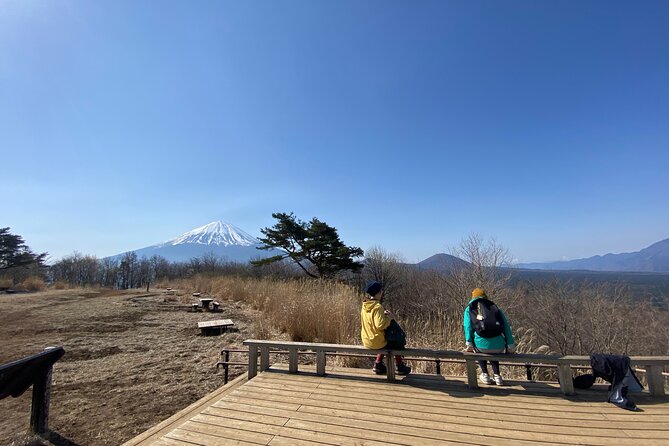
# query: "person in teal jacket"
499 344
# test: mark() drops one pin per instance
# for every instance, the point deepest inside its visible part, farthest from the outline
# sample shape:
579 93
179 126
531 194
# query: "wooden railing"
35 370
653 365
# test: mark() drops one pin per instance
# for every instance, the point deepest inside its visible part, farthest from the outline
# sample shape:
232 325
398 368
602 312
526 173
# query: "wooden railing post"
320 362
264 358
292 360
39 415
655 380
227 367
390 373
528 372
472 382
566 379
253 361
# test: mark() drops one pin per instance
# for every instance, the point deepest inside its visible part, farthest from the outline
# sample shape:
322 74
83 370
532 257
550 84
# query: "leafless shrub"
582 318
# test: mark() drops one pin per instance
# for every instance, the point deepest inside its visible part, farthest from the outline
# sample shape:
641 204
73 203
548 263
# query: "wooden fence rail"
260 349
35 370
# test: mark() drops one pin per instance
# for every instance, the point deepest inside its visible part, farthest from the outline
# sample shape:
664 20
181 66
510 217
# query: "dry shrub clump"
33 283
6 283
60 285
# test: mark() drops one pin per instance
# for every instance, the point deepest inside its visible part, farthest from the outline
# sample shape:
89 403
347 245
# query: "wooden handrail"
35 370
652 364
449 361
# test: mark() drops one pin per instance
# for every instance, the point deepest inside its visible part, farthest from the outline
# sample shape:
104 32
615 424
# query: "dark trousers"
391 346
494 364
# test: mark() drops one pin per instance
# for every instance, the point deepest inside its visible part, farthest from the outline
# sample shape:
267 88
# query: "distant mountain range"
644 272
232 243
223 239
654 258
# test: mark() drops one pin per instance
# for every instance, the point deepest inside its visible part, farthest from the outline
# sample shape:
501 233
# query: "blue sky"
405 125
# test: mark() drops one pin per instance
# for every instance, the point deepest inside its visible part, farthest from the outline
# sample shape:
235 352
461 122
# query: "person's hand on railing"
469 349
511 348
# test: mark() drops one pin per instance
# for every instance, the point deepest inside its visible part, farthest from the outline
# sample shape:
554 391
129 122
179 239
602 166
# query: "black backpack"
395 335
486 318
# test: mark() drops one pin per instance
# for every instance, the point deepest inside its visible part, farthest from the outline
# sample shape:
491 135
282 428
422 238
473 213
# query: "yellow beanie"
478 292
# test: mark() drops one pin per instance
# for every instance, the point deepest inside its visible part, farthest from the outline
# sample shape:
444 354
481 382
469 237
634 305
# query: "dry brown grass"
6 283
131 359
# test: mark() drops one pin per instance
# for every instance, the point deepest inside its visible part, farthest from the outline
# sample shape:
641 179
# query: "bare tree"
128 271
486 267
108 272
161 267
76 269
385 267
211 263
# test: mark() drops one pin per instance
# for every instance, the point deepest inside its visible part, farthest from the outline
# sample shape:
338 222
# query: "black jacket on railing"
616 370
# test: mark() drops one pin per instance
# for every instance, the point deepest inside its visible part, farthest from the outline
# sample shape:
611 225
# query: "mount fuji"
223 239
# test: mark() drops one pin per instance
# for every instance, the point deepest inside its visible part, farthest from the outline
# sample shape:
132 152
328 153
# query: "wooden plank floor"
355 407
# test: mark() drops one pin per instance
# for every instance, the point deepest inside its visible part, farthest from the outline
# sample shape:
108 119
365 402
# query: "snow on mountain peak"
215 233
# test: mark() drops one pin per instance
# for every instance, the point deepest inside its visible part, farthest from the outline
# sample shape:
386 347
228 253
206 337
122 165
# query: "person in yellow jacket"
375 320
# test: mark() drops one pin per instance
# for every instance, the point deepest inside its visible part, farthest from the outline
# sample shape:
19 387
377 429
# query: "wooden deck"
354 407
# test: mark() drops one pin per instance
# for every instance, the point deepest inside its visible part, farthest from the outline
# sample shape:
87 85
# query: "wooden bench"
652 364
214 327
35 370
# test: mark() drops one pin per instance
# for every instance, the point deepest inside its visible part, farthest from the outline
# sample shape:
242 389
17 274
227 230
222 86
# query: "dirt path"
132 359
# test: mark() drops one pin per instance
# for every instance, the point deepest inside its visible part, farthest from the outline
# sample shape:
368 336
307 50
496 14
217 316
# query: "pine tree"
15 253
314 246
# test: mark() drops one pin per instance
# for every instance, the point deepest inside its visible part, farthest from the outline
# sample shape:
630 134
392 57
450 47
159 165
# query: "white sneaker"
485 378
498 380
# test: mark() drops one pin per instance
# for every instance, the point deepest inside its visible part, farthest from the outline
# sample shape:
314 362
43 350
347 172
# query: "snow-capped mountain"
223 239
215 233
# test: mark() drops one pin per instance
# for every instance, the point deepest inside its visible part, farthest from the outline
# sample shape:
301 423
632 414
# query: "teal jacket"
496 343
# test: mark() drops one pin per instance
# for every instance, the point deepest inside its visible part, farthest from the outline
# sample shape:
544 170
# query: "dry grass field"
132 359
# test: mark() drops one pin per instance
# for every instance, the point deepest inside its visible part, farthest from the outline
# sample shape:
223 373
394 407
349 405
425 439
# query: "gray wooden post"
292 360
39 415
320 362
472 382
264 358
226 366
253 361
655 380
390 374
566 379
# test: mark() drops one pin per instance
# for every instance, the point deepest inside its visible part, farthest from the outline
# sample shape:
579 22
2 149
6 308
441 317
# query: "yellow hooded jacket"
374 322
